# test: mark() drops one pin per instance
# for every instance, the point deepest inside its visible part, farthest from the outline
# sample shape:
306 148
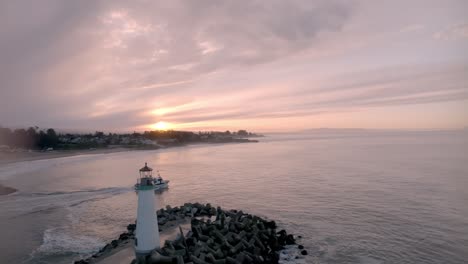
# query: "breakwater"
216 236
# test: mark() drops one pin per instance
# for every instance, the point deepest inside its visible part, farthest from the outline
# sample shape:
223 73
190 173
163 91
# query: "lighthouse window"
136 242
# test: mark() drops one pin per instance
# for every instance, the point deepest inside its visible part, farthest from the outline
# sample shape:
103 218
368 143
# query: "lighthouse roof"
146 168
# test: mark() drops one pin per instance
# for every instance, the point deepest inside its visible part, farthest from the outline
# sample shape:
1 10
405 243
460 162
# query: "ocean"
354 197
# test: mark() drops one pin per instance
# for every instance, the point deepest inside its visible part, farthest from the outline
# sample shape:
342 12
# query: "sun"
160 126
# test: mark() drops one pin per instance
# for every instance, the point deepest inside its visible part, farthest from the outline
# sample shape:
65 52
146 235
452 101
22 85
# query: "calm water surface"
355 198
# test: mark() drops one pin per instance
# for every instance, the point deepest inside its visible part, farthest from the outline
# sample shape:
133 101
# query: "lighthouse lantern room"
147 233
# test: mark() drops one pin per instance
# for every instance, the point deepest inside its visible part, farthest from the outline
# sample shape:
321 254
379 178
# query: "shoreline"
8 158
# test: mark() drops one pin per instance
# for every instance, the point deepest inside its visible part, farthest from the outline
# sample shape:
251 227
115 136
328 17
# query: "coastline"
7 158
12 157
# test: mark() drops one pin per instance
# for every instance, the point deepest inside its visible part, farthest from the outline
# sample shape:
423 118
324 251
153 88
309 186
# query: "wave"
32 203
102 190
56 240
60 241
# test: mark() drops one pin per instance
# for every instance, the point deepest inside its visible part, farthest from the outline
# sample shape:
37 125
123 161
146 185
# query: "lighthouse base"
142 256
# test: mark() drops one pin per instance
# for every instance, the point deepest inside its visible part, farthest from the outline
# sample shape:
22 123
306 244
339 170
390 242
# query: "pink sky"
256 65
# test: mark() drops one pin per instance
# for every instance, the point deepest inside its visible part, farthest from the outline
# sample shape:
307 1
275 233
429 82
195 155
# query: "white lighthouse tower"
147 233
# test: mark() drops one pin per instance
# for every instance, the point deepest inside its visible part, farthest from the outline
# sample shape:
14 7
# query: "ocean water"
354 197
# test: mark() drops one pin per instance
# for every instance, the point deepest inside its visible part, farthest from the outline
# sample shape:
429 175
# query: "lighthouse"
147 232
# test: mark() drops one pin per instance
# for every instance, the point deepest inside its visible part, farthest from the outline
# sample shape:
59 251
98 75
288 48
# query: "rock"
114 243
304 252
282 232
156 258
124 236
131 227
162 221
171 217
198 260
300 247
160 212
290 240
194 211
105 248
271 224
81 262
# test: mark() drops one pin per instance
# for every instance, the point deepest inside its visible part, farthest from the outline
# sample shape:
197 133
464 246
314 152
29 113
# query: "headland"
34 144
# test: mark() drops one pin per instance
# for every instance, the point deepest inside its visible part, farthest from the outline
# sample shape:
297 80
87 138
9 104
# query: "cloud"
68 59
454 32
127 64
382 87
412 28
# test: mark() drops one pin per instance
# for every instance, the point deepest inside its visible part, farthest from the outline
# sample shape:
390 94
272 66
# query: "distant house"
125 140
166 141
148 142
76 140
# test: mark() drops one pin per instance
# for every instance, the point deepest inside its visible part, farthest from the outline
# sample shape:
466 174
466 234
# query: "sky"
271 66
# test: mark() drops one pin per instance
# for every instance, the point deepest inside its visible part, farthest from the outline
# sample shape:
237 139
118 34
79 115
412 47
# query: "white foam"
34 203
59 241
291 255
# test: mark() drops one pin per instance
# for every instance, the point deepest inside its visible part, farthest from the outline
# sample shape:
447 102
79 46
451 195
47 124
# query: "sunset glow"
265 67
161 126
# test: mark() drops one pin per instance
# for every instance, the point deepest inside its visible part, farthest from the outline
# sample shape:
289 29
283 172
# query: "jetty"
213 235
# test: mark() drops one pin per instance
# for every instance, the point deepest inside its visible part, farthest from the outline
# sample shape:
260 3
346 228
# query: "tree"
242 133
48 139
52 137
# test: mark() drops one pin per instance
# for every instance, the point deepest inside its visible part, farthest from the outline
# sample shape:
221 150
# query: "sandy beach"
12 157
6 158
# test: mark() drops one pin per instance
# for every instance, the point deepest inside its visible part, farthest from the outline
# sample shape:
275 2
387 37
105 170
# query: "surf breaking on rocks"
216 236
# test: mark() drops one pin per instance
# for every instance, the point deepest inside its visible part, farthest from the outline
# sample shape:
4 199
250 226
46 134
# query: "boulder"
162 221
131 227
124 236
114 243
